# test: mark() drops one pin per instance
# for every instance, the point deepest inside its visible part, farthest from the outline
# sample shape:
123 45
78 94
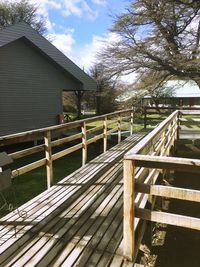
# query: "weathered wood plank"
26 152
58 227
168 218
94 139
95 129
49 161
128 232
45 213
28 167
84 144
79 203
67 139
66 151
171 163
105 132
169 192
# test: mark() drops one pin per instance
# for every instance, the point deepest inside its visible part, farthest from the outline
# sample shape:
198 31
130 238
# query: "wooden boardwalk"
77 222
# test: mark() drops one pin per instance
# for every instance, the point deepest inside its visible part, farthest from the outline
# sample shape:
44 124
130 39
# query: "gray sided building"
33 76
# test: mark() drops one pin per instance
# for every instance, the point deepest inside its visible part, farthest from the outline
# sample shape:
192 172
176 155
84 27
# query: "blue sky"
79 27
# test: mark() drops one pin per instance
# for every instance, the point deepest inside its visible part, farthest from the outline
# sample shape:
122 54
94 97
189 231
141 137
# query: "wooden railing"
142 166
156 114
56 136
159 142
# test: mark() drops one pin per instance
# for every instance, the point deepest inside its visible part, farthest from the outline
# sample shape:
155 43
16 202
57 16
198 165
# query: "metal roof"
184 88
23 30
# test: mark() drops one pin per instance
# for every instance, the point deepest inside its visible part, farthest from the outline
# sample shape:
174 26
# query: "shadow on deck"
77 222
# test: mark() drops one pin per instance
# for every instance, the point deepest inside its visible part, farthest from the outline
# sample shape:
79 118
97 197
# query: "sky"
79 28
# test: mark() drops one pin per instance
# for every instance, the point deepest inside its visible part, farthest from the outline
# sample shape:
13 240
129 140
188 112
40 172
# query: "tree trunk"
98 102
79 95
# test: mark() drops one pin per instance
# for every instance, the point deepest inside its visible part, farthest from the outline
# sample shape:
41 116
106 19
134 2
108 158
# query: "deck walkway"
77 222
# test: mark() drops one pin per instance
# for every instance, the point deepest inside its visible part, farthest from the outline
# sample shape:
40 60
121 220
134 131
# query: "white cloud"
86 56
71 7
79 8
92 14
63 41
100 2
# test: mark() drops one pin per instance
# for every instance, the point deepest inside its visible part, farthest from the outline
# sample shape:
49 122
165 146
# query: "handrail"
23 136
149 110
142 165
52 137
158 142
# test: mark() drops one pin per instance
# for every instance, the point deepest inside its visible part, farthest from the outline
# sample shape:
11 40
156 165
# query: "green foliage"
159 36
14 12
107 93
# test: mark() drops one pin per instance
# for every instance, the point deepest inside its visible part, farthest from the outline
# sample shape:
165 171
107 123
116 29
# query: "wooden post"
84 143
48 155
128 231
119 128
105 134
131 126
145 117
178 128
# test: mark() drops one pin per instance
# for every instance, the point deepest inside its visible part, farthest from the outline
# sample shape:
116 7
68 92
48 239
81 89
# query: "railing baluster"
128 231
119 128
145 117
105 134
131 126
84 143
179 126
48 155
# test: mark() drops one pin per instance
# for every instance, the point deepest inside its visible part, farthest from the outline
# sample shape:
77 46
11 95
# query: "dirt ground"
175 246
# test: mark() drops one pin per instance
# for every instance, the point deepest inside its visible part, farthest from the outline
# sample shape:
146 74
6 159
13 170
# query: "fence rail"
142 166
53 137
156 113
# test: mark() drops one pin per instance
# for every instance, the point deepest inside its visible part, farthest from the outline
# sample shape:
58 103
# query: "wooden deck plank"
49 224
102 235
47 229
117 261
42 202
86 231
109 235
79 215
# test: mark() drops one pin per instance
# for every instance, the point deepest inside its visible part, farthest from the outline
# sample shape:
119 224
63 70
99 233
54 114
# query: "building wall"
30 88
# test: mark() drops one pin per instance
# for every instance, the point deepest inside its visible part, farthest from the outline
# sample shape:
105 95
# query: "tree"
106 90
14 12
156 36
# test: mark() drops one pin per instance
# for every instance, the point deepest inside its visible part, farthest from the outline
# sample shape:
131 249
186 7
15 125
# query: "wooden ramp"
77 222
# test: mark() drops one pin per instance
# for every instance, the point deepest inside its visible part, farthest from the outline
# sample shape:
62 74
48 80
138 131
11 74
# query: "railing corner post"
129 197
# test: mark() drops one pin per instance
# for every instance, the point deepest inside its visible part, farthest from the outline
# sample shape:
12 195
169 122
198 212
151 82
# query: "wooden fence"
56 136
142 166
156 115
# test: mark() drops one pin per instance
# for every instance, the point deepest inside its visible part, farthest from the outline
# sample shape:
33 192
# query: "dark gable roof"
23 30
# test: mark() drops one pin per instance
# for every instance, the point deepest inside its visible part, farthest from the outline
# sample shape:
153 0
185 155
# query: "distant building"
185 93
33 76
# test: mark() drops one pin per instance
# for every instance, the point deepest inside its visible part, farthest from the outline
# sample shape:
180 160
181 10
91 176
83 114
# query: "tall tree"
14 12
157 36
106 93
